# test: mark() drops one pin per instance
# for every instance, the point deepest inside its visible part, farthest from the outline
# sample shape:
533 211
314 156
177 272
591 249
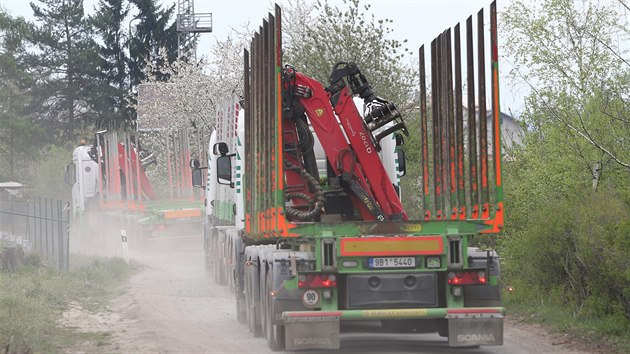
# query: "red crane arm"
356 161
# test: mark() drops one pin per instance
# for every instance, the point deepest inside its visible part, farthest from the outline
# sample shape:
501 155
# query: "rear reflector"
472 311
392 246
182 213
306 314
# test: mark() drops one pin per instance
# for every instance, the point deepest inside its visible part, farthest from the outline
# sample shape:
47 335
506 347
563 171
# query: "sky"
418 21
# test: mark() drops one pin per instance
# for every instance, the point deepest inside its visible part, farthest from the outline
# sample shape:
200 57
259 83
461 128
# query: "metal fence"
38 224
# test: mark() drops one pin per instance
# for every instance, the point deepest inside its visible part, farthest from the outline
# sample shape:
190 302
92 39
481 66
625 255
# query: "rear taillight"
313 281
467 277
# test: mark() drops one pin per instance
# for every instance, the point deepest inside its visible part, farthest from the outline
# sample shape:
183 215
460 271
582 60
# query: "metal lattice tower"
189 25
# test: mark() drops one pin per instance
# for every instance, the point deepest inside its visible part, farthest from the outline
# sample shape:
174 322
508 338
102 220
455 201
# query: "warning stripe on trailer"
392 246
183 213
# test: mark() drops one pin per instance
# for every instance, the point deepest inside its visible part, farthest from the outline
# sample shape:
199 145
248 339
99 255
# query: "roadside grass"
33 299
609 334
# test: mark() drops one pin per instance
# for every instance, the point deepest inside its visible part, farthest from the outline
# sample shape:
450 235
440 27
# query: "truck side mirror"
402 163
197 178
224 170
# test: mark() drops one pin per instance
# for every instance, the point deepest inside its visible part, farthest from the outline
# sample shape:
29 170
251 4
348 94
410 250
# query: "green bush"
571 265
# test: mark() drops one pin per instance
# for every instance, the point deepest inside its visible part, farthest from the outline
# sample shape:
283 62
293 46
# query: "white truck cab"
83 175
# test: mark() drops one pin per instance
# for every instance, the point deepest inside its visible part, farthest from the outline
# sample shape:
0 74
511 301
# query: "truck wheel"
219 266
442 327
263 303
274 333
219 274
250 303
231 276
241 316
241 309
207 255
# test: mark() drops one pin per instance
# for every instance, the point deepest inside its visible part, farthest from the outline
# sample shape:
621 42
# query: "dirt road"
170 306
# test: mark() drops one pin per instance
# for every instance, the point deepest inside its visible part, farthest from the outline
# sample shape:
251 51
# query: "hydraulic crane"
334 116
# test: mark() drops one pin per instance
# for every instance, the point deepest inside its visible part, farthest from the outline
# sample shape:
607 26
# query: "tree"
188 91
352 34
566 220
298 17
569 53
65 61
153 33
193 89
108 21
19 136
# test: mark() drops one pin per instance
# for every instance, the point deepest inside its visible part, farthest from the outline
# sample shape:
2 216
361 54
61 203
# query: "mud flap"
468 330
312 332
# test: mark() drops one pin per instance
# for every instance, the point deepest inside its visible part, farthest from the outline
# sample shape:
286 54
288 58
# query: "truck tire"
229 263
274 333
219 265
207 254
241 310
250 302
442 327
239 281
219 274
262 286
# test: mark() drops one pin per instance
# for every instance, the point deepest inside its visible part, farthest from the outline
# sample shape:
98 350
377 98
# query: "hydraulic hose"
316 207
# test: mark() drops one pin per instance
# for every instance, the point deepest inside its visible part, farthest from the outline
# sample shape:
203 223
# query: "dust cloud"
169 305
109 234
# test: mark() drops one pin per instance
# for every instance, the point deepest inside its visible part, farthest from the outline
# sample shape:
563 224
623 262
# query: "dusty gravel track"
170 306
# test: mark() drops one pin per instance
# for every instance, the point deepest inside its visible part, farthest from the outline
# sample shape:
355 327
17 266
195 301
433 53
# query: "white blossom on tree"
185 102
